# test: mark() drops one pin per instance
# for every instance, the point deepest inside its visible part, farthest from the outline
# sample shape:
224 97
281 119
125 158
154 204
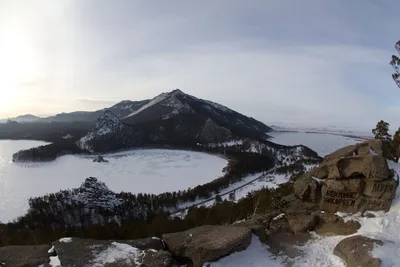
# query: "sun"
18 64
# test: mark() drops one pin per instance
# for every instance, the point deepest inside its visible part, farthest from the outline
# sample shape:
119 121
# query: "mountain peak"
177 92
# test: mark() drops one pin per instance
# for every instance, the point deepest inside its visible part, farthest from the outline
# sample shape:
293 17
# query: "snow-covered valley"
137 171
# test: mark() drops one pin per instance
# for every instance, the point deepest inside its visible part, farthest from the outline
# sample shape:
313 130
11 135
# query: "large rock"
207 243
306 188
342 195
287 243
356 251
330 224
346 151
88 252
27 256
365 148
385 189
352 179
256 225
372 167
302 223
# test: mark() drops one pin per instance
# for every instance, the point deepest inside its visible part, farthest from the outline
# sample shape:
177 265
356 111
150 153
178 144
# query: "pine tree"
396 145
218 198
395 62
381 132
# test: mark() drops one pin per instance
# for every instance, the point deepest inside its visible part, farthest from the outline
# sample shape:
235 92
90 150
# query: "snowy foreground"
136 171
319 250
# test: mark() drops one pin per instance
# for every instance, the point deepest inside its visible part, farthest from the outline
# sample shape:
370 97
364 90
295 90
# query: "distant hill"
22 118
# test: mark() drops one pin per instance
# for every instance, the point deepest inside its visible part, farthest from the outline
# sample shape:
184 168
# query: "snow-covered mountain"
22 118
120 110
172 118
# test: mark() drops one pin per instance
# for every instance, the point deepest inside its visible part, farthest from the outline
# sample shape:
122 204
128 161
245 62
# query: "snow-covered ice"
137 171
322 143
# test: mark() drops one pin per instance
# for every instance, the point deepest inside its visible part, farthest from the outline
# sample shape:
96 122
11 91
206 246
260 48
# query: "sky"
311 62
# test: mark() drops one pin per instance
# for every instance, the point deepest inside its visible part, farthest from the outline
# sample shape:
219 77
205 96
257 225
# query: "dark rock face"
100 159
88 252
356 251
27 256
207 243
352 179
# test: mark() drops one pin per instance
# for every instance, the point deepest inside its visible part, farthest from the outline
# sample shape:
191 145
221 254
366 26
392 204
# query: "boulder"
330 224
257 227
27 256
89 252
374 147
207 243
278 224
341 195
302 223
306 188
346 151
356 251
160 258
372 167
385 189
287 243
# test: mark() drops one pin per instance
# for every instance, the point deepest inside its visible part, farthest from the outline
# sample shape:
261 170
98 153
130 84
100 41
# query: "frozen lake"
137 171
321 143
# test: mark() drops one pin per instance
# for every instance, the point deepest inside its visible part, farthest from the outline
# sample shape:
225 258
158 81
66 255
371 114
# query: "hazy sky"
320 62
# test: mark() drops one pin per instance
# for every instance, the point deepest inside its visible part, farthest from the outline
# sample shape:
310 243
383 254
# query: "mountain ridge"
171 118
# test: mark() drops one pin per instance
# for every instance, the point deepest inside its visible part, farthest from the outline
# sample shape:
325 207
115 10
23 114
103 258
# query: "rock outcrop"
356 251
89 252
17 256
100 159
352 179
207 243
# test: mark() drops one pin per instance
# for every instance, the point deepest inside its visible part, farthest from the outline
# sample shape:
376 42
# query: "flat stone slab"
27 256
356 251
207 243
89 252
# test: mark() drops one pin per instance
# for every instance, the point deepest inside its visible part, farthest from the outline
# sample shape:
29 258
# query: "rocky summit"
353 179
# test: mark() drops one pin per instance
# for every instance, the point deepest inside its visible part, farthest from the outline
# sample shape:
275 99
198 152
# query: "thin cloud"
309 62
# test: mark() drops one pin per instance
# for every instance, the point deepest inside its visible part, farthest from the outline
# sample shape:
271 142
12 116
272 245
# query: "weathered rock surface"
87 252
352 179
27 256
257 225
207 243
356 251
365 148
287 243
302 223
145 243
331 225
